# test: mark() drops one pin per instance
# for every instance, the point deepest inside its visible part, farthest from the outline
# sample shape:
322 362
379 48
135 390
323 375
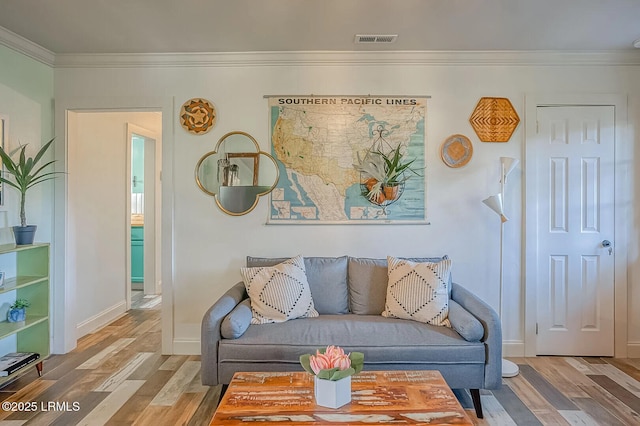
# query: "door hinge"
536 328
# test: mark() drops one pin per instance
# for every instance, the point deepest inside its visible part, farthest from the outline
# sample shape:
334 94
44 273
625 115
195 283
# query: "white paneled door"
575 230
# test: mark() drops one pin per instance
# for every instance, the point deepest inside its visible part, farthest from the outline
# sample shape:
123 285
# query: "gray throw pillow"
327 278
237 321
465 323
368 280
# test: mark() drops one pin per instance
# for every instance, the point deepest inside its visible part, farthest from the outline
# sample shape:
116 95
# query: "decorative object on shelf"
496 203
1 279
383 171
12 362
198 116
494 119
456 151
18 310
237 173
26 173
332 370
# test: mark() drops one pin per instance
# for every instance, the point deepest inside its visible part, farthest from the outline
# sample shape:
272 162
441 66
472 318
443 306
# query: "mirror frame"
256 161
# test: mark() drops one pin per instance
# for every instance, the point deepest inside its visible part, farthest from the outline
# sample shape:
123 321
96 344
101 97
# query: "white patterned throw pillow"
418 291
279 293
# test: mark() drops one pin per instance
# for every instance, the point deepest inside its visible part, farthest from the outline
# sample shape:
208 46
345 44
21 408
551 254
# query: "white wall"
97 215
26 102
207 247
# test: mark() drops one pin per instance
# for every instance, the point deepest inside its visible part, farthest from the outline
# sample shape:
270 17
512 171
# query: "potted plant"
25 172
332 370
17 311
385 173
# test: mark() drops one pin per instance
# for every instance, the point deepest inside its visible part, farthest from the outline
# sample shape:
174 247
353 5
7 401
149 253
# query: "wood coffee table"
377 397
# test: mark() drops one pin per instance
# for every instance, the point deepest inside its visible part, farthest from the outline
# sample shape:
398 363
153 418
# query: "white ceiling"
163 26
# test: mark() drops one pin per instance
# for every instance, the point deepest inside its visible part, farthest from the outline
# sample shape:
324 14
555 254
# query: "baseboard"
633 350
186 347
513 349
101 319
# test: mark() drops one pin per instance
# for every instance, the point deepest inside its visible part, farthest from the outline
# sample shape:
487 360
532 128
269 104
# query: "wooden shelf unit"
31 282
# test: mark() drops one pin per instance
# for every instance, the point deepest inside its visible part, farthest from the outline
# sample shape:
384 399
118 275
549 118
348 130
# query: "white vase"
332 393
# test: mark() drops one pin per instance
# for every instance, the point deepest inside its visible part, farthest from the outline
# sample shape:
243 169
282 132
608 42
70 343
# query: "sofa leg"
477 404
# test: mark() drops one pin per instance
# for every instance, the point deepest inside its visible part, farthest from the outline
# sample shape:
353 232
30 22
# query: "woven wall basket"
494 119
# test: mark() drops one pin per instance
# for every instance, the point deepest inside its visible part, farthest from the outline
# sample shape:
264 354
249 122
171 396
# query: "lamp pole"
509 369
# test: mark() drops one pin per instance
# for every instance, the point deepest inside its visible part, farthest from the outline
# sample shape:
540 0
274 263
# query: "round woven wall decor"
456 151
198 116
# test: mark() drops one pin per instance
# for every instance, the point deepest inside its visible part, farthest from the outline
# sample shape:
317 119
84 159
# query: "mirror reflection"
237 173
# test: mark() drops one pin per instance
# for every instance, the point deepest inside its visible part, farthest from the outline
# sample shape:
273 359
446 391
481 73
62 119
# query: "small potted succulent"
17 311
25 173
332 369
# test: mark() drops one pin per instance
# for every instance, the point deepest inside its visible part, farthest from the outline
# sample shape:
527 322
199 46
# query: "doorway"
99 211
144 213
574 233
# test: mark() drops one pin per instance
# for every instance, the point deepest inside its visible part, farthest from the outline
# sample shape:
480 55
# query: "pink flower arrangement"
332 363
333 357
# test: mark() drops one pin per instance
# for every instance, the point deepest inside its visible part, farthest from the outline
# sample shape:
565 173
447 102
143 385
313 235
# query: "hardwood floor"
117 376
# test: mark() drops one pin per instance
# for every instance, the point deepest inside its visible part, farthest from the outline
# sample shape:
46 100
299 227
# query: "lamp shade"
508 164
494 202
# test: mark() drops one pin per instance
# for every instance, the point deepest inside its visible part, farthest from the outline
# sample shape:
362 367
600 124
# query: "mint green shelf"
31 283
9 328
20 282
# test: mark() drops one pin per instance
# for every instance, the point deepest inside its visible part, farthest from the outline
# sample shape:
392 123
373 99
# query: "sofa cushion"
279 293
403 341
418 291
368 280
464 323
237 321
327 277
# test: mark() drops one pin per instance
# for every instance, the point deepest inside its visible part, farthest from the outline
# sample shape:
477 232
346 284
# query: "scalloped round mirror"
237 173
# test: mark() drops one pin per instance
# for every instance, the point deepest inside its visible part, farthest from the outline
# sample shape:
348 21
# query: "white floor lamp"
496 203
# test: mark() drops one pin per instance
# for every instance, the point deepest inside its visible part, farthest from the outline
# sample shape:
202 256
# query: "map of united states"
316 142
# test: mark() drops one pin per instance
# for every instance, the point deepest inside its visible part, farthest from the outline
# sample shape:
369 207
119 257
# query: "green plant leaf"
22 157
341 374
327 374
306 363
42 151
357 361
8 182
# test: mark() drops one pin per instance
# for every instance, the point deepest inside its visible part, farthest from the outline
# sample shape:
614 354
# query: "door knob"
607 244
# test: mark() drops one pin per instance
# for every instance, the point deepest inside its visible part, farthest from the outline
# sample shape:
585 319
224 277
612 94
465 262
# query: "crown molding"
26 47
373 58
316 58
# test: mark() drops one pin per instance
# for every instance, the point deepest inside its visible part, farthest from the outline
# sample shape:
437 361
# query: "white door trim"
63 292
623 152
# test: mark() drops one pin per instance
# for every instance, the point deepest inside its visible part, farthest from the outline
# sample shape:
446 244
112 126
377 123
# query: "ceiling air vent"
376 38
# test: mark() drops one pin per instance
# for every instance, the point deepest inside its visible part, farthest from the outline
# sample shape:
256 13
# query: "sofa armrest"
210 331
492 333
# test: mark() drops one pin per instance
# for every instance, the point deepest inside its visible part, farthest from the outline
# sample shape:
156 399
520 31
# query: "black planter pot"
24 234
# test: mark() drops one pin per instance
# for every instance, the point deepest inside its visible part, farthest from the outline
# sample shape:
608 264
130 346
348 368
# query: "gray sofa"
349 293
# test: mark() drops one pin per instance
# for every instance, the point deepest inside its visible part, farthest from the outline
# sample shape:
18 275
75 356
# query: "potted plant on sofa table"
332 369
26 173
